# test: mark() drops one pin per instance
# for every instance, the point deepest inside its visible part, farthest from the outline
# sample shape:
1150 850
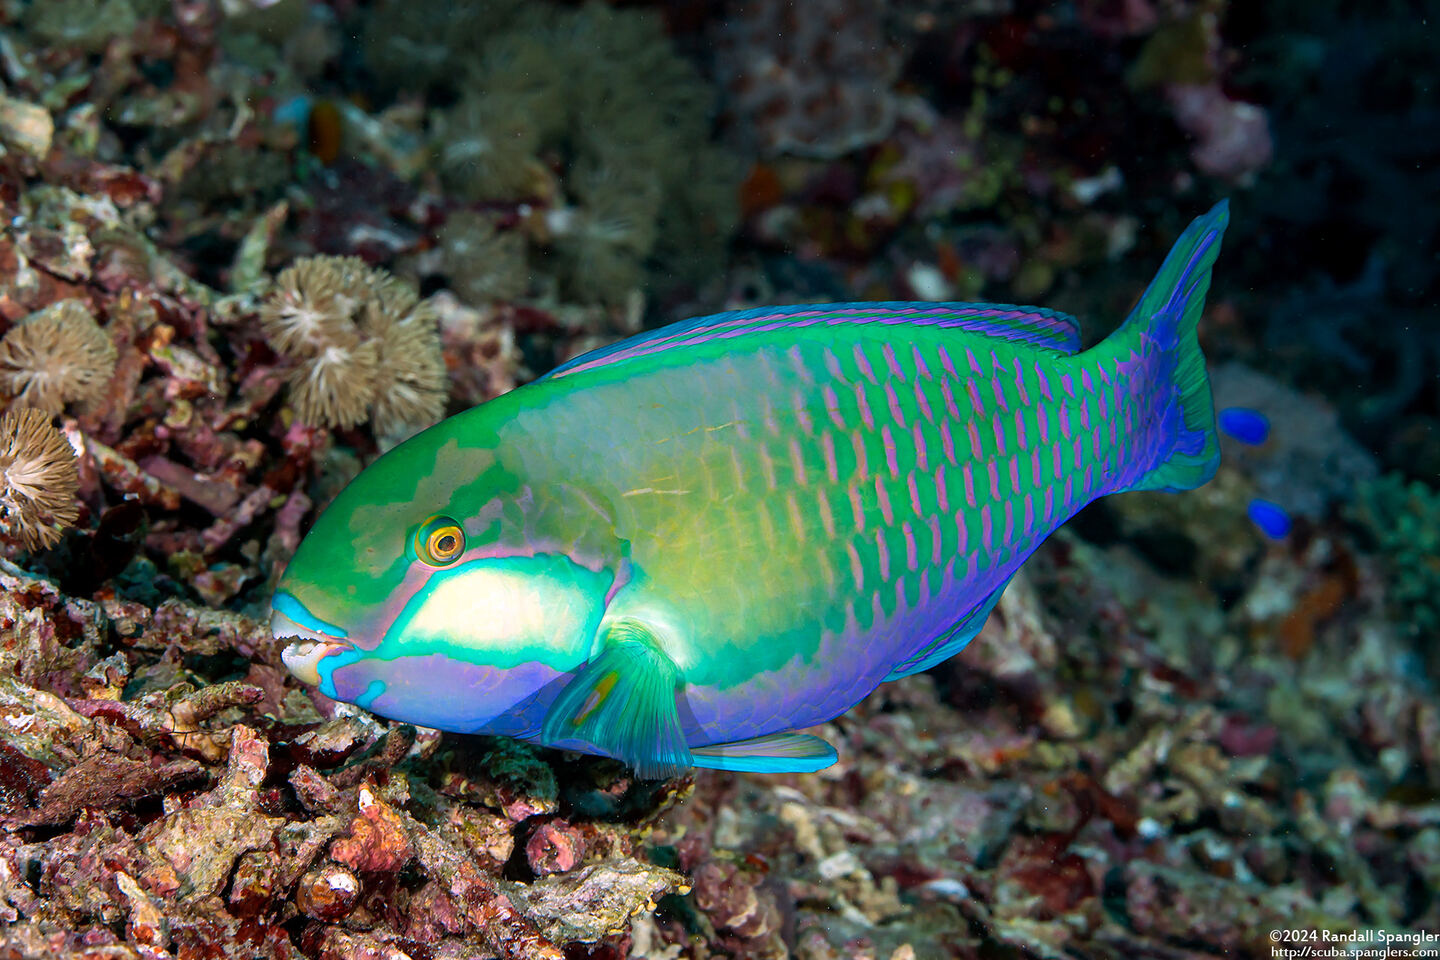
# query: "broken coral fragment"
56 356
38 466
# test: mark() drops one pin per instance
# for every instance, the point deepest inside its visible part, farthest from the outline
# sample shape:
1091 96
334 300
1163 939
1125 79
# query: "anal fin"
622 703
775 753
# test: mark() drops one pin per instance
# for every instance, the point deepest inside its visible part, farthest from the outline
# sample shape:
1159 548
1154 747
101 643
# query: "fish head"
419 595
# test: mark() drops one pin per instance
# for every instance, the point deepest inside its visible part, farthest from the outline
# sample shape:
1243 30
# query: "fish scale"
682 548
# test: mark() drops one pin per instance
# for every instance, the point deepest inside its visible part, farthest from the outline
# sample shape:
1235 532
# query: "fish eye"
439 541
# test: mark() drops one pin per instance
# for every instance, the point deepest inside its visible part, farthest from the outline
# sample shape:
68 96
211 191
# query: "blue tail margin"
1166 319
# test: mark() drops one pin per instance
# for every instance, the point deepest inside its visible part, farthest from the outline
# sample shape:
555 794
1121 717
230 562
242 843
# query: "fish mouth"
307 647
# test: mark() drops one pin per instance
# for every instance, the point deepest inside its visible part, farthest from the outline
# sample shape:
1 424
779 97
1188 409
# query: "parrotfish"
685 548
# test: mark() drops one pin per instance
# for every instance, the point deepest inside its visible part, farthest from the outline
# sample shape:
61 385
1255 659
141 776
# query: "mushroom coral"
56 356
366 346
38 499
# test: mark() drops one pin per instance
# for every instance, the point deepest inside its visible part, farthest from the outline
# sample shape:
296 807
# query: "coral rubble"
247 245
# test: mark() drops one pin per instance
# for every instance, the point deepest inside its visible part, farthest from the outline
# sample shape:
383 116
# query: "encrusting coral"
367 346
56 356
38 500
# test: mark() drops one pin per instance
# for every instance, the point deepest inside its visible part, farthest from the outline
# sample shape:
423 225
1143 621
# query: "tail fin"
1164 322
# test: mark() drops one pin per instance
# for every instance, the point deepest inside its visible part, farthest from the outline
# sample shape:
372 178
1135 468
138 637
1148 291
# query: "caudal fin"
1162 326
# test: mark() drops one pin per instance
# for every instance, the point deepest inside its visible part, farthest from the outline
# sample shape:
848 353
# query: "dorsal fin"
1035 325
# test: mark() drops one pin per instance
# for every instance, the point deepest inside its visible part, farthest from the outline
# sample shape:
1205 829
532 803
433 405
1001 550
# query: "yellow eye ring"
439 541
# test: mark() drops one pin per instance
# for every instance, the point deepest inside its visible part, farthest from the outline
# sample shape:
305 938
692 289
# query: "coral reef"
813 79
625 120
1403 518
247 245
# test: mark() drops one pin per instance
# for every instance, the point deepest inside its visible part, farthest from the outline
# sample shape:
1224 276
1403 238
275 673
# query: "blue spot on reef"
1271 518
1250 427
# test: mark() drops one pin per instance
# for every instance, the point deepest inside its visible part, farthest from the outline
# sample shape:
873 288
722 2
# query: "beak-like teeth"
307 648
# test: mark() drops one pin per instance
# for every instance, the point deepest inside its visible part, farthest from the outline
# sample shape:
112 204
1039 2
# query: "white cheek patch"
504 611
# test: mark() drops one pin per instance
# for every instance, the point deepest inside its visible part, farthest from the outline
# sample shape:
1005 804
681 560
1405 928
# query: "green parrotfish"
681 549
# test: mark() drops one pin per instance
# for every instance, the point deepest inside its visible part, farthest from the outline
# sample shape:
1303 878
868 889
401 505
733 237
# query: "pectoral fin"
776 753
623 704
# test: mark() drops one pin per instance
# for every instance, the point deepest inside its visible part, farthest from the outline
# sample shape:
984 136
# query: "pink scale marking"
974 433
863 401
920 367
1068 385
999 391
832 366
888 439
1085 380
987 529
1015 474
797 524
767 466
883 549
862 464
1020 431
863 362
857 569
1044 382
827 519
1035 480
924 403
949 399
993 469
977 406
797 363
934 524
827 443
1049 504
832 405
947 442
883 494
912 560
1065 419
857 508
942 495
922 453
1009 534
974 364
999 432
961 532
914 493
1029 530
1085 413
969 485
945 363
797 462
1055 460
891 363
1020 384
896 413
